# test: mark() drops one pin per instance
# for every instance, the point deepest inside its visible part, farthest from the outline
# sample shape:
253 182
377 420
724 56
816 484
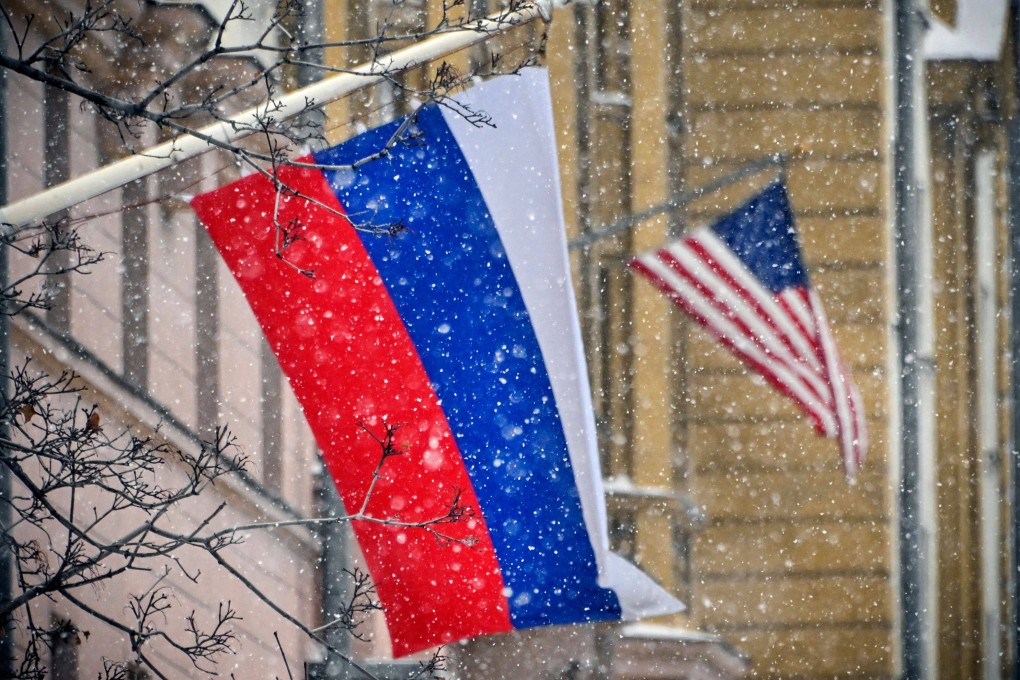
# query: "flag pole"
676 202
70 193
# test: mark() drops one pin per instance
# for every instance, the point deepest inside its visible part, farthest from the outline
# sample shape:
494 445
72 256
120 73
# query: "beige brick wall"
793 566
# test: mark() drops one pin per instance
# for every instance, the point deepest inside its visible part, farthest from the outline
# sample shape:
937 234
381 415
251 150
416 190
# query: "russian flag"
457 324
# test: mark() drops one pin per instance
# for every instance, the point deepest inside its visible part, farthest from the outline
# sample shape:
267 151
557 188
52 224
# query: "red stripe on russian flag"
350 361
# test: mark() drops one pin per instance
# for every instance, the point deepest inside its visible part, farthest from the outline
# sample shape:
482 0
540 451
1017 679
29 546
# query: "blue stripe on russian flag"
452 284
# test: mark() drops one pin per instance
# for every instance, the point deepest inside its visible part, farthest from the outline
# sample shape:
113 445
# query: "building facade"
897 150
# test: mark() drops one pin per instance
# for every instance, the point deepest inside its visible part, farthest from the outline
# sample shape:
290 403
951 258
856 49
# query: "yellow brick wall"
794 565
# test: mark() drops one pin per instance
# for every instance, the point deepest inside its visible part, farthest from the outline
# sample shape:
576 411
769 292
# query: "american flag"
744 280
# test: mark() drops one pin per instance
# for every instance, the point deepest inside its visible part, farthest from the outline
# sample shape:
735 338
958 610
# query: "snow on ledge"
652 631
978 35
622 485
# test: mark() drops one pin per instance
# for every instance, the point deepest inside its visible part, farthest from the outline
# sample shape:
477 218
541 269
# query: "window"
64 650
